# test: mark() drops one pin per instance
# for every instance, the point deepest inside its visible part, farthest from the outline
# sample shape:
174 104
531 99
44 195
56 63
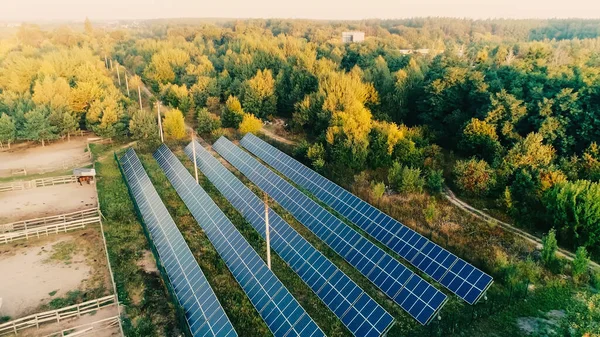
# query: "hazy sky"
19 10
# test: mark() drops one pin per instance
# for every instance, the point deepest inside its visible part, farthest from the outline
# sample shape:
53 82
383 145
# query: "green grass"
63 252
36 176
148 307
52 293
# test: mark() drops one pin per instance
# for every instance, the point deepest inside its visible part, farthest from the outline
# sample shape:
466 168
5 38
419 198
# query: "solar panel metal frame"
458 276
203 312
356 309
279 309
390 276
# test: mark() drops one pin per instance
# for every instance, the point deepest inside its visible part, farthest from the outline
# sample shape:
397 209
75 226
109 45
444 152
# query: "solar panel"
355 308
203 312
460 277
408 290
279 309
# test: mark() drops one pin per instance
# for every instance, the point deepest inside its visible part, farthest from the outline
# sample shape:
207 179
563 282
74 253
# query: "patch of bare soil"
46 201
540 326
35 157
148 263
33 273
31 278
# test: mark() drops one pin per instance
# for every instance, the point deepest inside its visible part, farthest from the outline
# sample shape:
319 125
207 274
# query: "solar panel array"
460 277
203 312
279 309
411 292
356 309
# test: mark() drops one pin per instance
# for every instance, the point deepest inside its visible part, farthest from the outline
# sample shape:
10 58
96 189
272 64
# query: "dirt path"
450 196
46 201
276 137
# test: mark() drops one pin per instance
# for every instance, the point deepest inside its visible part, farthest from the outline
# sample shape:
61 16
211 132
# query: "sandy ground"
75 322
46 201
28 277
34 157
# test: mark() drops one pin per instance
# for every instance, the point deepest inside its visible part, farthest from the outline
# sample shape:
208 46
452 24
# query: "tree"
579 265
549 247
38 127
69 124
574 209
8 130
480 139
474 177
232 114
531 153
435 181
406 179
174 125
259 94
316 154
207 122
143 126
377 190
250 124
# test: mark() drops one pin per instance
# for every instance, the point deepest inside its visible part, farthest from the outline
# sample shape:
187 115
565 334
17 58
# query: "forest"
504 112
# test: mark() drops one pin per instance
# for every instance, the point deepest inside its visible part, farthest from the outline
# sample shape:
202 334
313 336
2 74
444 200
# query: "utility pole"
140 97
111 67
118 74
162 139
127 83
267 232
105 61
194 151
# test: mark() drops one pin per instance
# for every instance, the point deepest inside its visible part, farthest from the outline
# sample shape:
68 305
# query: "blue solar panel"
278 308
356 309
411 292
458 276
203 312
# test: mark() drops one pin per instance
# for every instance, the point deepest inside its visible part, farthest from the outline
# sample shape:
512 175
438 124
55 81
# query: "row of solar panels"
458 276
283 315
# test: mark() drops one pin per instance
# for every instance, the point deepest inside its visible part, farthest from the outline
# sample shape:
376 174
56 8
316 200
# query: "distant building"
350 37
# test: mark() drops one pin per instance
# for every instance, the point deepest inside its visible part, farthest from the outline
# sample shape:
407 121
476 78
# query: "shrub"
435 181
580 263
406 179
207 122
250 124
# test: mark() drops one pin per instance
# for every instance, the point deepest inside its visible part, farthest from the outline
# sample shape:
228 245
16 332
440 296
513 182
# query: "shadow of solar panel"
356 309
203 312
407 289
460 277
279 309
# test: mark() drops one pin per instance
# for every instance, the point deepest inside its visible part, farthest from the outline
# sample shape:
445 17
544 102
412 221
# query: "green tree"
316 154
480 139
574 209
143 126
232 114
377 191
435 181
38 127
549 247
405 179
8 130
207 122
474 177
579 265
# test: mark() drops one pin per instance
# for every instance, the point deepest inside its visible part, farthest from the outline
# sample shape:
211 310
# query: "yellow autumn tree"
250 124
54 93
174 125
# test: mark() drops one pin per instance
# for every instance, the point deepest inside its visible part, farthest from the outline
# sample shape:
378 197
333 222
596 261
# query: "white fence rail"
35 320
34 228
82 160
89 328
41 182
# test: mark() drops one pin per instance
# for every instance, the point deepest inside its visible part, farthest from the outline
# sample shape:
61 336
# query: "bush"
595 279
579 265
474 177
406 179
250 124
549 247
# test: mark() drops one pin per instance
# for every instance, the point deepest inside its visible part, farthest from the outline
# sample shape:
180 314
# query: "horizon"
334 10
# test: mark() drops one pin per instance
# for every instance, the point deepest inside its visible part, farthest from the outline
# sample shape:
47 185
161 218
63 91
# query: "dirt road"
450 196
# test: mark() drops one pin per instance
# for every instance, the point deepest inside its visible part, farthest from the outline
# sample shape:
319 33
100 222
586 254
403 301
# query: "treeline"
521 117
503 119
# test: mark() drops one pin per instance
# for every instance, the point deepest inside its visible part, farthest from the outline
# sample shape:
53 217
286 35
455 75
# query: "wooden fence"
41 182
82 160
89 328
34 228
54 316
